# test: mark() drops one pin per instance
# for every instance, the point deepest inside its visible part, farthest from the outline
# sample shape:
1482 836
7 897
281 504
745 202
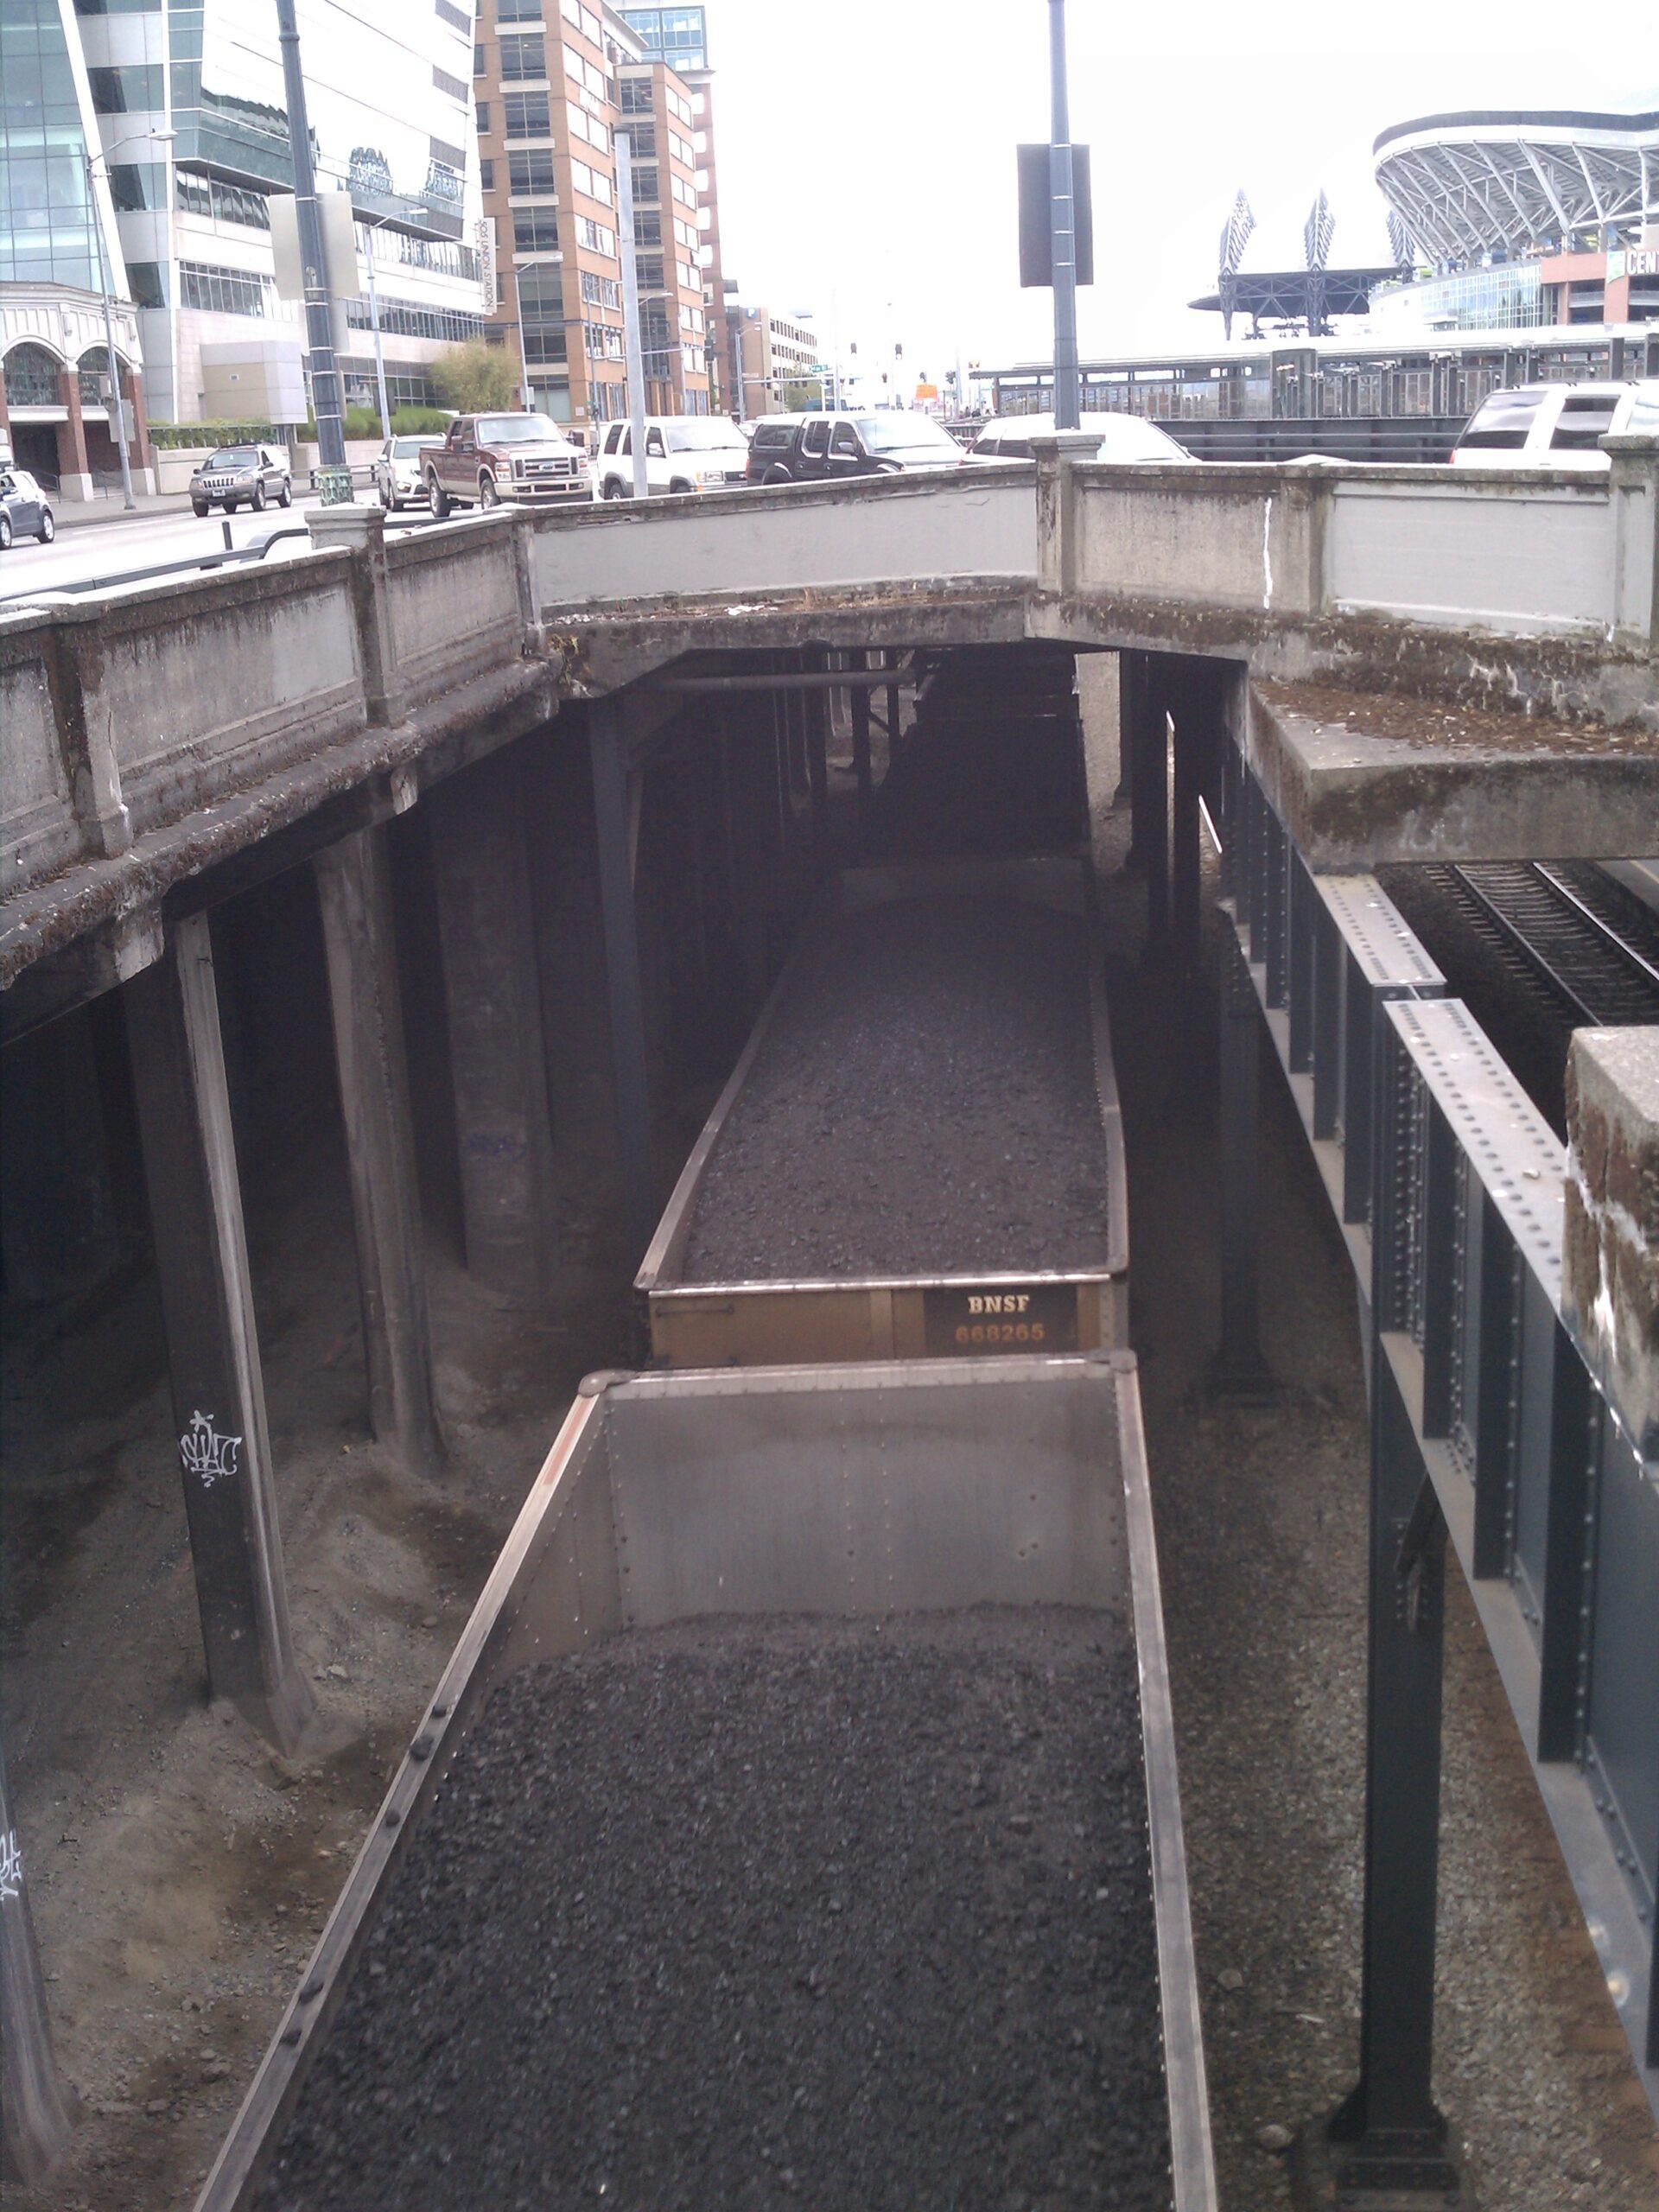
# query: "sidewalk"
82 514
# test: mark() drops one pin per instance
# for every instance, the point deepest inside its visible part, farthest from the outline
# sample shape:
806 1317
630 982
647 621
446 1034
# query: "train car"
797 1821
921 1152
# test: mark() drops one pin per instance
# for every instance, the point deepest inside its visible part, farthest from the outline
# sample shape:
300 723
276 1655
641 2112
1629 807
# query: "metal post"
115 400
374 321
219 1397
631 340
1062 227
894 712
1239 1373
319 331
861 708
38 2110
1191 739
608 755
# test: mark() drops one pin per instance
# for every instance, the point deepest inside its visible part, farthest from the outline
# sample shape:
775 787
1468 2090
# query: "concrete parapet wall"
1610 1291
874 531
453 602
1245 537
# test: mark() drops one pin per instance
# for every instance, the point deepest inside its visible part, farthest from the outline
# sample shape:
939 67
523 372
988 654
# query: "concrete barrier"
1609 1287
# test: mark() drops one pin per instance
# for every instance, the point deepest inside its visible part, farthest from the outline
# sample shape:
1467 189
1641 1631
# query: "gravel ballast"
842 1914
924 1103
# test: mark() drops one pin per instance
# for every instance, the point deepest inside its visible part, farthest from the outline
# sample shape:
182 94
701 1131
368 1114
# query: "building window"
644 183
518 11
32 378
523 58
487 177
526 115
478 65
529 172
405 318
450 157
596 237
650 266
125 91
454 16
134 185
536 230
600 291
225 203
222 291
147 281
636 96
445 82
642 137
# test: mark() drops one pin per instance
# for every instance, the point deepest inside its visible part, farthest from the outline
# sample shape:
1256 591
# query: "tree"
475 376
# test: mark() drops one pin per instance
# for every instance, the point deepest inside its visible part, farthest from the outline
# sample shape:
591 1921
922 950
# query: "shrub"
170 438
475 376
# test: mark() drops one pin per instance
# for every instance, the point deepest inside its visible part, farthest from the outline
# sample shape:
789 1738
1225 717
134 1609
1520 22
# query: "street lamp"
374 315
88 160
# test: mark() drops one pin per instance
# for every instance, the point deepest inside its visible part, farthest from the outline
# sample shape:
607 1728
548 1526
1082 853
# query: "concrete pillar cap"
1052 444
348 526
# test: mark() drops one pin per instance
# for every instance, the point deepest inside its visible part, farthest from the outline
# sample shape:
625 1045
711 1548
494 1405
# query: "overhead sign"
1036 265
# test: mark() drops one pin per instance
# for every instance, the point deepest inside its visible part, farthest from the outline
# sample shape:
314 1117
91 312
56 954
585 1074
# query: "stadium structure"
1540 217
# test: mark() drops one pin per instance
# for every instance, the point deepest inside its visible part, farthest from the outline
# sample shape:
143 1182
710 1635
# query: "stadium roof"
1294 294
1483 181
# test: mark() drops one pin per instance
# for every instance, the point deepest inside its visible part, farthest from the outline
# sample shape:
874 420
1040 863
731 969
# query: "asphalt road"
110 551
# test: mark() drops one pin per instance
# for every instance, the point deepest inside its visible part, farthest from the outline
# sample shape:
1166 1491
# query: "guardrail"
1450 1188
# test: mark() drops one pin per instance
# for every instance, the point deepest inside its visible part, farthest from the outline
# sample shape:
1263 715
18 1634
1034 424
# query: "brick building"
554 79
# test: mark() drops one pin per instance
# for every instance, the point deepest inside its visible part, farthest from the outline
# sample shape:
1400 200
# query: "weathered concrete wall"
453 604
1610 1289
876 530
1246 537
1492 553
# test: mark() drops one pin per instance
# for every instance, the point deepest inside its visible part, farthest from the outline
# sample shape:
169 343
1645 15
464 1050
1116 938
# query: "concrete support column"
74 470
354 892
494 999
141 460
38 2108
218 1398
1609 1278
1147 730
362 533
1634 489
628 1057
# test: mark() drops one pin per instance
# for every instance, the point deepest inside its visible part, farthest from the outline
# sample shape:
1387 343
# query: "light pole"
374 318
88 160
319 331
1062 227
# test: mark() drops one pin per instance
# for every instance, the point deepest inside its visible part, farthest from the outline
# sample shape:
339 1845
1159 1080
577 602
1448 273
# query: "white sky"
866 152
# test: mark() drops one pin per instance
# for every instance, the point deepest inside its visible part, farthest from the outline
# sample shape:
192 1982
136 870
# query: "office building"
776 361
555 80
678 37
182 109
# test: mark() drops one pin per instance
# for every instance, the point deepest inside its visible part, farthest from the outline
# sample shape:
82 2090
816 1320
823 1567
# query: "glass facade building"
181 102
677 35
1508 295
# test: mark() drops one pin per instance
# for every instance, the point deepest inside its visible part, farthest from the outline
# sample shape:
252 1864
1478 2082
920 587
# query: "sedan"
397 470
25 511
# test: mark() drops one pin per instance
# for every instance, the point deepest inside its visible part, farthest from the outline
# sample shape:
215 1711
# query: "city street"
109 551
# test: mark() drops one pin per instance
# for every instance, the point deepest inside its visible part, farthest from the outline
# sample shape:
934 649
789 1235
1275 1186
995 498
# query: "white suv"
684 452
1555 425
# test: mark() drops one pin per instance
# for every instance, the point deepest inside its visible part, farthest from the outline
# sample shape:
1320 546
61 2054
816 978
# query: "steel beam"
38 2110
1240 1373
629 1065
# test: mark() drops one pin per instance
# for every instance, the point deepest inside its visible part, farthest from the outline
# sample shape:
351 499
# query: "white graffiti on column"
11 1865
207 1453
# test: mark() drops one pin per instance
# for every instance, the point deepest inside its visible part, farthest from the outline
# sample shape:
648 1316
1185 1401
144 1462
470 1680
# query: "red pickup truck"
488 458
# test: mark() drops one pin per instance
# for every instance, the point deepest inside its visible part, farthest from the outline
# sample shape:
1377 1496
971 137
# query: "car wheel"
680 485
777 476
487 494
49 526
258 502
285 497
437 498
199 506
5 533
612 488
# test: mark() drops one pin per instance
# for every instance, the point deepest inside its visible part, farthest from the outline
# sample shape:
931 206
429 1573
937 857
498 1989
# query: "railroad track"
1567 927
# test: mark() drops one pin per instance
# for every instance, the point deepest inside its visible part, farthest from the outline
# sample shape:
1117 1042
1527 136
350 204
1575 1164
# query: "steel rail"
1497 903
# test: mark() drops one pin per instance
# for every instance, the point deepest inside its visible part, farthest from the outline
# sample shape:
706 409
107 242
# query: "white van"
684 452
1555 425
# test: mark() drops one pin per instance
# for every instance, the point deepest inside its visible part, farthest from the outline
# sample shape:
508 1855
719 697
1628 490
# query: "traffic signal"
898 352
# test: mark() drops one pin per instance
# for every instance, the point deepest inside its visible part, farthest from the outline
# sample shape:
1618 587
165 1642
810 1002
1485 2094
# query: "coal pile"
847 1916
924 1103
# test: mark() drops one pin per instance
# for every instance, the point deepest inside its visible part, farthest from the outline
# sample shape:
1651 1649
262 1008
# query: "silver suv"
242 475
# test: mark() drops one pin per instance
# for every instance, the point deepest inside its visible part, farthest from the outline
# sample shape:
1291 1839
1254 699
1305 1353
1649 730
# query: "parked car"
1555 425
684 452
488 458
1122 437
807 449
238 476
25 511
396 468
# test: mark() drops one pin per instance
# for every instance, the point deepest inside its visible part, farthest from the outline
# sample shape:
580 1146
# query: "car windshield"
405 448
899 431
234 457
518 430
700 437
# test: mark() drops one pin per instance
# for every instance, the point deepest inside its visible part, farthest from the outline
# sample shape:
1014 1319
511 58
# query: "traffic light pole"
319 332
1062 228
